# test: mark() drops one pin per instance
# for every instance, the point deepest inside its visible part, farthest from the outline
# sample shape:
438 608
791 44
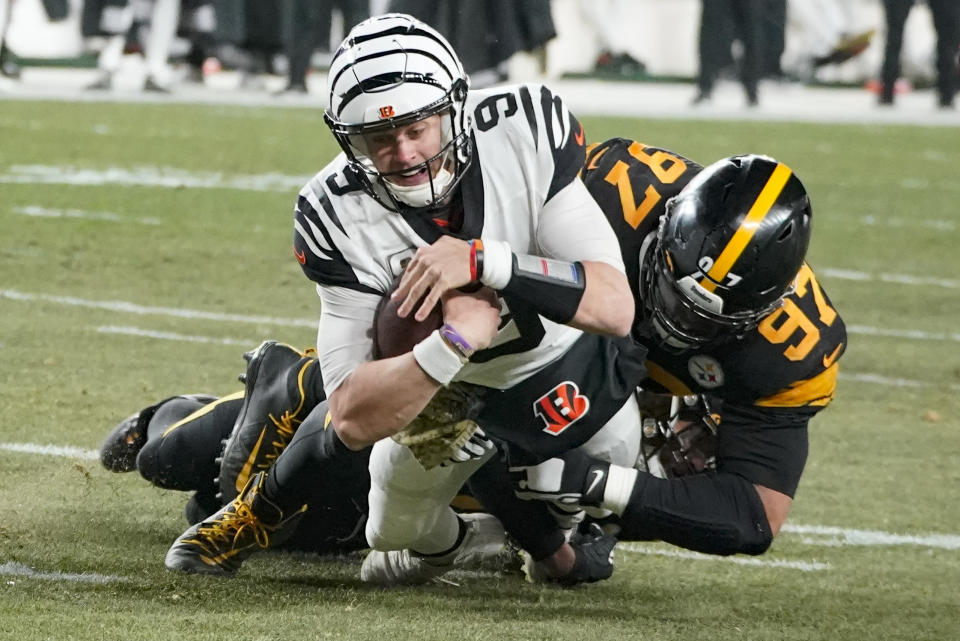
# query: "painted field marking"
36 211
133 308
836 536
18 569
171 336
900 279
877 379
883 221
914 334
65 451
803 566
170 177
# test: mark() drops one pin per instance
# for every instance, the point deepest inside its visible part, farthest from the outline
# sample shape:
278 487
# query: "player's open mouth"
414 176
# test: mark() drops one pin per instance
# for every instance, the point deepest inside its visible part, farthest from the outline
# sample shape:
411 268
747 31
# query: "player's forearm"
379 399
607 305
590 295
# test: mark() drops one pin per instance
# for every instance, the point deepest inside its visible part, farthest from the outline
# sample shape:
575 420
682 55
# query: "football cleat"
484 547
220 544
200 506
280 392
119 450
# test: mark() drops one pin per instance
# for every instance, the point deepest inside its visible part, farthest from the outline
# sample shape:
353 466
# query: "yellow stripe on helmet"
741 238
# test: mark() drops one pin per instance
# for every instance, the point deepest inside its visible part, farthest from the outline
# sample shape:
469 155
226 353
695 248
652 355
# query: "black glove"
572 479
594 558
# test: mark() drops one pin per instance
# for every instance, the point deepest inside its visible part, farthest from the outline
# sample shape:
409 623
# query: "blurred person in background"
602 17
946 22
485 33
249 37
8 68
198 23
721 21
310 22
830 30
149 26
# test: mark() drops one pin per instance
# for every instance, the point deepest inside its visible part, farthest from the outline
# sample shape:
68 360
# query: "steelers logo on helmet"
396 78
728 250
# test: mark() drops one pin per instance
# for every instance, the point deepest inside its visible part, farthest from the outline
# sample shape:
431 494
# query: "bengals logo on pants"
561 407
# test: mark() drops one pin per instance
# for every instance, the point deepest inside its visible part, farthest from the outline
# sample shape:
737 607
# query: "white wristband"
497 264
437 358
616 494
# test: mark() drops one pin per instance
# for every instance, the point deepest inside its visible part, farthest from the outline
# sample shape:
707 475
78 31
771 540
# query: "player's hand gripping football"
433 271
475 315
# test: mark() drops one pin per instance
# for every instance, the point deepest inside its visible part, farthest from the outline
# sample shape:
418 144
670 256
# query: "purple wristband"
450 335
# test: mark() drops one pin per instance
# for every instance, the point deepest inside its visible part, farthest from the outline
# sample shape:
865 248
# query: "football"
393 335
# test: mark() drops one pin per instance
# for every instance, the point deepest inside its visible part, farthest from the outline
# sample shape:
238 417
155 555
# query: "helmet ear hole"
787 230
459 90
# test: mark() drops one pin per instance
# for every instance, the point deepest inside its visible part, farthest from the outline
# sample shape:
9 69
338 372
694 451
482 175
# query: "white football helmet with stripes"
390 71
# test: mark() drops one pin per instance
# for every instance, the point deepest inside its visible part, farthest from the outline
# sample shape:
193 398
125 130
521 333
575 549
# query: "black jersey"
788 360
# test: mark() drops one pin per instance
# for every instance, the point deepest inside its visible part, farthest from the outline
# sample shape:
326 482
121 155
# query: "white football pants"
409 507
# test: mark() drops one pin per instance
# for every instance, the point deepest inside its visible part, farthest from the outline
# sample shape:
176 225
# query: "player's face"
407 147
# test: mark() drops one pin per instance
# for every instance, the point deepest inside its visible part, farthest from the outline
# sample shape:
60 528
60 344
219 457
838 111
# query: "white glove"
477 446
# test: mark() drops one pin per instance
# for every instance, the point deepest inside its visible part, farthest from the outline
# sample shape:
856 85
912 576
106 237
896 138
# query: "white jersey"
521 187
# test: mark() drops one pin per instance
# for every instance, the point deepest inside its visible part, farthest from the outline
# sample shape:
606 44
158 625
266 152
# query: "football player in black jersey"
729 310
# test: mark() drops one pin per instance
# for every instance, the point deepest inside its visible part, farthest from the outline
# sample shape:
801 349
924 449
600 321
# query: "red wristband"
476 245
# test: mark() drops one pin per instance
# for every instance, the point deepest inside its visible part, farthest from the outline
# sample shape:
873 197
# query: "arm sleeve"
345 337
573 228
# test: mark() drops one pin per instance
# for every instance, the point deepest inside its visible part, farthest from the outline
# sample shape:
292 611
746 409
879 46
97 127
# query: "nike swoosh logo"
579 136
301 256
597 477
244 475
829 359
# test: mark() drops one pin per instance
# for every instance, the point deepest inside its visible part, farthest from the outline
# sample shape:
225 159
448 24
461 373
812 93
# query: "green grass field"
144 248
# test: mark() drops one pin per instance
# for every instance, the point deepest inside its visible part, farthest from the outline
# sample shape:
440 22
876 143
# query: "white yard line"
37 211
900 279
837 536
19 570
877 379
51 450
803 566
913 334
175 312
171 336
883 221
170 177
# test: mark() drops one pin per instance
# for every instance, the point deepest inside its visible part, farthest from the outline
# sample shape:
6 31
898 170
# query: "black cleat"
220 544
200 506
279 394
119 451
121 447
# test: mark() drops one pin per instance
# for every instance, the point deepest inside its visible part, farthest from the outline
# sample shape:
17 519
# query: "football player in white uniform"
444 188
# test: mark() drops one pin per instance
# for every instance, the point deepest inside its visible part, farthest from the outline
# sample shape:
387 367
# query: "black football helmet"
727 251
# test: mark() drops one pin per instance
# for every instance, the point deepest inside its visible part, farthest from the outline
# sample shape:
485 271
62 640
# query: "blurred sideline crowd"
186 41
